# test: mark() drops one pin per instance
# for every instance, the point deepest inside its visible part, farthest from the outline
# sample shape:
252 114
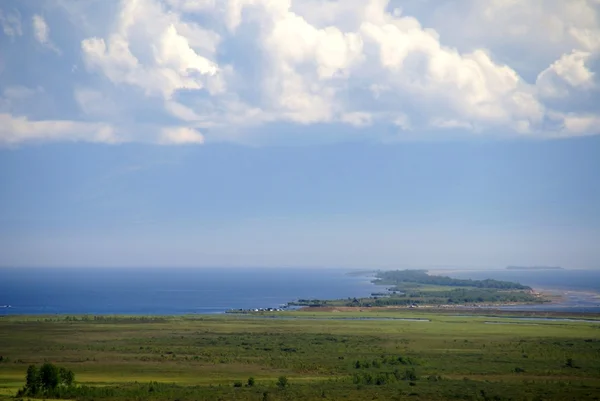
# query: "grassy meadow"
322 355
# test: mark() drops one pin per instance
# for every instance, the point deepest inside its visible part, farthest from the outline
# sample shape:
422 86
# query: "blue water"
165 291
187 291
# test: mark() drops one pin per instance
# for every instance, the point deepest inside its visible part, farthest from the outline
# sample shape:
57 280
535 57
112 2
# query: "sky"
350 133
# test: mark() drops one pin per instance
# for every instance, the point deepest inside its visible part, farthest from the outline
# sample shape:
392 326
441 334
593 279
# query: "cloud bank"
262 71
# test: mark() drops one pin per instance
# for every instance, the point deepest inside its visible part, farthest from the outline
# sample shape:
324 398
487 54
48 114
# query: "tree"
282 382
67 377
48 376
32 384
46 379
251 382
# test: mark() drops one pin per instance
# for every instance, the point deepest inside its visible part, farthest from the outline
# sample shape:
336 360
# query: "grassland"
442 356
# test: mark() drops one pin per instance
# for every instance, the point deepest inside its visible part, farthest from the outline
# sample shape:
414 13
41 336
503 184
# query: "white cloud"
469 86
193 6
527 34
310 68
402 121
182 112
149 52
200 39
14 130
11 23
180 136
297 90
19 92
570 71
226 67
441 123
41 31
21 99
95 103
357 119
581 124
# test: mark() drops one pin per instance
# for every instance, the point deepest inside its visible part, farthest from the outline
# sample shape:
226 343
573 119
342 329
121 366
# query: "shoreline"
466 309
556 299
551 297
560 296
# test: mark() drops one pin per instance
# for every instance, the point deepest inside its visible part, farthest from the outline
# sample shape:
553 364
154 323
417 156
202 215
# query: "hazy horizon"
296 267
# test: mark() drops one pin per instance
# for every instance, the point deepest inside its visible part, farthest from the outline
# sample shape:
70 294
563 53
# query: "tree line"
421 277
46 380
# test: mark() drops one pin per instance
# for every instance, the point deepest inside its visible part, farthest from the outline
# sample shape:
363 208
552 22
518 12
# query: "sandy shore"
569 297
556 296
466 309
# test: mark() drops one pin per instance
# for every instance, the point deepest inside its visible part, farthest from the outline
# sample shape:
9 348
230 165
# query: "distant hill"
534 268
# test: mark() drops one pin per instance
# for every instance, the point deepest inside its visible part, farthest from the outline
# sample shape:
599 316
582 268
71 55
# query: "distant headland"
534 268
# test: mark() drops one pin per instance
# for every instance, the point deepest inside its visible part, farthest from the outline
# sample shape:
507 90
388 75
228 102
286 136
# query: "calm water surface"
168 291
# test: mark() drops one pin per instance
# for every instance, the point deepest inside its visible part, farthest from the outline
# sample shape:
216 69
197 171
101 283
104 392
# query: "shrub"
381 379
282 382
410 374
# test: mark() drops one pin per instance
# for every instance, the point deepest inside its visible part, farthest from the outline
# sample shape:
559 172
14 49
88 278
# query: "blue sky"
299 133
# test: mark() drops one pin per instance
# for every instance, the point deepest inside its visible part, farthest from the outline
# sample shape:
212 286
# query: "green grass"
203 356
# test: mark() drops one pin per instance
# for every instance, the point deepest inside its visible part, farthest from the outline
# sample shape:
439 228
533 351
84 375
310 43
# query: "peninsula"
413 288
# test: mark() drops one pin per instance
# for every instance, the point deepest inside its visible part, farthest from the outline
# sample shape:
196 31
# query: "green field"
323 356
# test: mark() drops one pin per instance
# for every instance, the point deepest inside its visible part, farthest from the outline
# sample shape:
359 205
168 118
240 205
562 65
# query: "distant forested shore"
401 277
415 288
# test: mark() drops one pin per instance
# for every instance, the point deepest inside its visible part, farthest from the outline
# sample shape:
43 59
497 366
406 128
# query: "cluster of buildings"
255 310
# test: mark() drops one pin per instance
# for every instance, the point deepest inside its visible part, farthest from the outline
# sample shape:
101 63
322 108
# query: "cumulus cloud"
469 87
527 34
148 51
569 72
227 67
